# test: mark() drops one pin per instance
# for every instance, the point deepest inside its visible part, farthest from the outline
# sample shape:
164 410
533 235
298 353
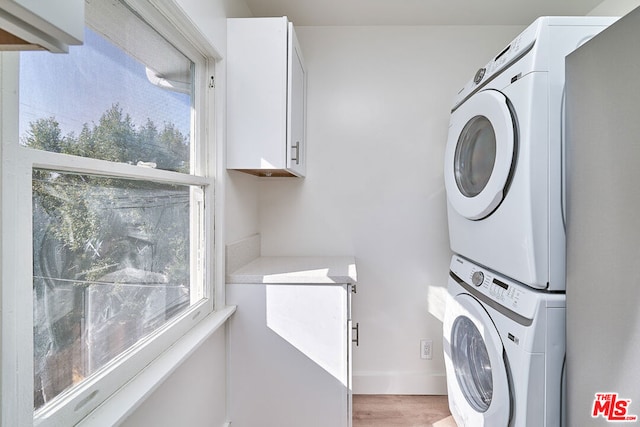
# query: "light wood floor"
401 411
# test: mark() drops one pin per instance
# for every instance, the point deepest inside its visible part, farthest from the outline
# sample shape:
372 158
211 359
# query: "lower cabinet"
290 355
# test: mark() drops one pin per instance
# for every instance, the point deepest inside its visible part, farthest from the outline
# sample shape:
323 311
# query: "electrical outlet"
426 349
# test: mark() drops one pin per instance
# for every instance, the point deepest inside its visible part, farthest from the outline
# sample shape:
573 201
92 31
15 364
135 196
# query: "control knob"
477 278
479 75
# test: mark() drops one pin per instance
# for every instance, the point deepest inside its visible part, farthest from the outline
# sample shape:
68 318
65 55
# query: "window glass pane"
111 265
124 96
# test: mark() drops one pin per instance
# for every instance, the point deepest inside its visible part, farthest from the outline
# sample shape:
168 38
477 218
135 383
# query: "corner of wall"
242 252
614 7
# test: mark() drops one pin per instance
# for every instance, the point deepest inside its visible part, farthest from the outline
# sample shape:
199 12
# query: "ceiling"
418 12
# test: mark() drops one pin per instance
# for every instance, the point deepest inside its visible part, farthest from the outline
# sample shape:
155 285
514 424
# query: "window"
109 142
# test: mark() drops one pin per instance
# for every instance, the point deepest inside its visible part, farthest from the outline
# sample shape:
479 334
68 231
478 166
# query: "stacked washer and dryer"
504 324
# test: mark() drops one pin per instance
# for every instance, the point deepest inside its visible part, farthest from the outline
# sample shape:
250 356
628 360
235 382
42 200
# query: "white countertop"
297 269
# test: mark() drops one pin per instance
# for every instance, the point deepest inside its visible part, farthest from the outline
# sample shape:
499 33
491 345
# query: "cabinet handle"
296 147
357 329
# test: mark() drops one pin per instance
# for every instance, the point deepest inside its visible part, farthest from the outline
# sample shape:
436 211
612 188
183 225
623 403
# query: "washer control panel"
508 293
477 278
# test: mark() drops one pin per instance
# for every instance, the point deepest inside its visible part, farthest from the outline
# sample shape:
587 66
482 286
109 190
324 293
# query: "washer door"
480 154
477 377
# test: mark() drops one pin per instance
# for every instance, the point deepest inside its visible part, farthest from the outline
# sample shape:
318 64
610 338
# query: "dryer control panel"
536 38
514 51
500 290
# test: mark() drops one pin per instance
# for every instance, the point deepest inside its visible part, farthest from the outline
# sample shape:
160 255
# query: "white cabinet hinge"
212 82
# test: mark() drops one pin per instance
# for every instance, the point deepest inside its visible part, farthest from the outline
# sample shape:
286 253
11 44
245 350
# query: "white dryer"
504 348
503 159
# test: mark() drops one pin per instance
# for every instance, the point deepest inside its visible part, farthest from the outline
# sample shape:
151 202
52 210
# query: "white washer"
503 159
504 348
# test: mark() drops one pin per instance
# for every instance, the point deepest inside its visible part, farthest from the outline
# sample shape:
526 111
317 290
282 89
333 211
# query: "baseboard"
417 383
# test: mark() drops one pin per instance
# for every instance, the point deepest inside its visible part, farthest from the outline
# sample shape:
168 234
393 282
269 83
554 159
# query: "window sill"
116 408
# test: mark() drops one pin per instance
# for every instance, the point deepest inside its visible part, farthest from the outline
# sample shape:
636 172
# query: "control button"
477 278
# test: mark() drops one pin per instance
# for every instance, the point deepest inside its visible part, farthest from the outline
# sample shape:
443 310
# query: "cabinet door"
296 99
288 353
266 94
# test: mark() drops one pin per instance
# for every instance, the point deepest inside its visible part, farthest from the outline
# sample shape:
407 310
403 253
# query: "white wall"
194 395
378 111
615 7
602 129
241 206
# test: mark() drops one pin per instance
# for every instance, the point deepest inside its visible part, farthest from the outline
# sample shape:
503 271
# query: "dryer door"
480 154
477 379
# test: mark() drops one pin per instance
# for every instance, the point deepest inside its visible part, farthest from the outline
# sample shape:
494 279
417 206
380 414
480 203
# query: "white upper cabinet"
266 98
53 25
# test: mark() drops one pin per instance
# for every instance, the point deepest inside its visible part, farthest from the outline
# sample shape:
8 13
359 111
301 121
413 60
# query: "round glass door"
475 156
479 155
475 362
472 364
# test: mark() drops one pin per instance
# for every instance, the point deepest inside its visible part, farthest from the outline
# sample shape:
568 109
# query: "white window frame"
109 397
